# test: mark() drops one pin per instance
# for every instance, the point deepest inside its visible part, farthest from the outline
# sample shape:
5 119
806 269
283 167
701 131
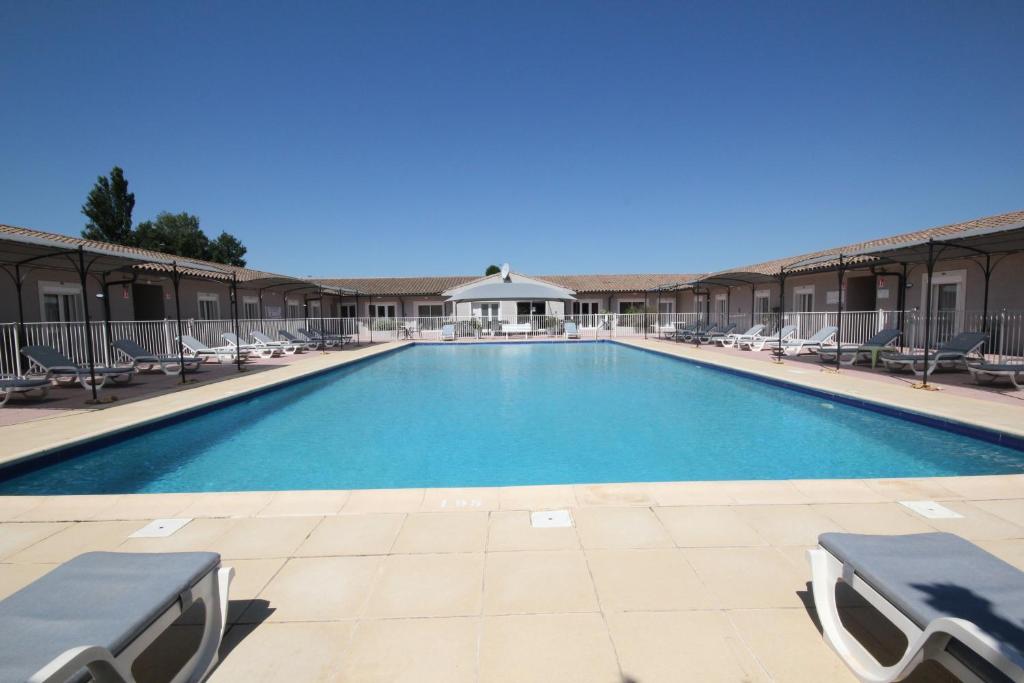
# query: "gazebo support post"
782 312
89 353
928 310
839 313
176 285
234 318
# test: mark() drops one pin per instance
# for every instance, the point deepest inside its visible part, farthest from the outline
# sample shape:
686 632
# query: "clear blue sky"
379 138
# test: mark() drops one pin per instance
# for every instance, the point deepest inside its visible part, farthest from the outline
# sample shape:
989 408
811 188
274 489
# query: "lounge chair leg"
214 594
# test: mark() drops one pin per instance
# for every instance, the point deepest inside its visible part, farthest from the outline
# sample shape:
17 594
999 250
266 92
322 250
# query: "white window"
722 307
430 310
209 306
382 310
699 303
60 303
803 299
631 306
347 310
666 307
313 309
586 307
250 307
295 308
762 302
485 310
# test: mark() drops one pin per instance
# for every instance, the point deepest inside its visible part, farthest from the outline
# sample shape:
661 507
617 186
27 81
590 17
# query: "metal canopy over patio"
22 251
986 246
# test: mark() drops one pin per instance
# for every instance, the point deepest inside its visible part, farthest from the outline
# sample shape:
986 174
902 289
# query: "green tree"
109 210
491 270
227 249
174 233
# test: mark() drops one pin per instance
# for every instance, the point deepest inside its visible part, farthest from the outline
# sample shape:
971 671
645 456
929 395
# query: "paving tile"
318 589
986 487
1012 510
241 504
620 527
14 577
911 489
748 577
68 508
433 532
348 534
251 577
569 648
977 524
550 581
789 646
448 585
838 491
256 537
690 493
384 500
612 494
707 526
284 652
649 580
536 497
316 503
146 506
461 500
875 518
656 647
17 536
412 651
787 524
513 531
12 506
75 540
763 492
198 535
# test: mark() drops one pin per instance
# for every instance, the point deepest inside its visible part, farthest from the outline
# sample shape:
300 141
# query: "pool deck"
676 581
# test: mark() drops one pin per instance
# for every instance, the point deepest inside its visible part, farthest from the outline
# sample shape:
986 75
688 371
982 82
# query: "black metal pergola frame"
25 253
987 247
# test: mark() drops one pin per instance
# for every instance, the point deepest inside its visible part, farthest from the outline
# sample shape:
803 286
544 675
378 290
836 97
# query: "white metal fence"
1005 330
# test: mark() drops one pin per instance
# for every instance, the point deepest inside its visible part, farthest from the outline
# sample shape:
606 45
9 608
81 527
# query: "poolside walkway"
655 582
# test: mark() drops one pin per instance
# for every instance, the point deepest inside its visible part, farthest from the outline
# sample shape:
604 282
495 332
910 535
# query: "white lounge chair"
145 361
219 354
9 386
732 339
794 347
99 611
768 341
448 332
261 340
261 351
991 371
869 350
297 340
52 364
571 331
956 353
954 602
719 333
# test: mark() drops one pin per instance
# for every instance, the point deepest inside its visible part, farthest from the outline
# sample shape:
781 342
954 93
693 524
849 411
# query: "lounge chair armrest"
98 660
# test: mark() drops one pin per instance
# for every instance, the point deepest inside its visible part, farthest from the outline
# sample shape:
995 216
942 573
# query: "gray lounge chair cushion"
934 575
1000 367
17 383
105 599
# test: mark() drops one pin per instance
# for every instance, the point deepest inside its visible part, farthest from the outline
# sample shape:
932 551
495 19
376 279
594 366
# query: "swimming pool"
515 414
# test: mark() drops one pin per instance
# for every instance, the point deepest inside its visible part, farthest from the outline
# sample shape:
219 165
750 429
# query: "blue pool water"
509 414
